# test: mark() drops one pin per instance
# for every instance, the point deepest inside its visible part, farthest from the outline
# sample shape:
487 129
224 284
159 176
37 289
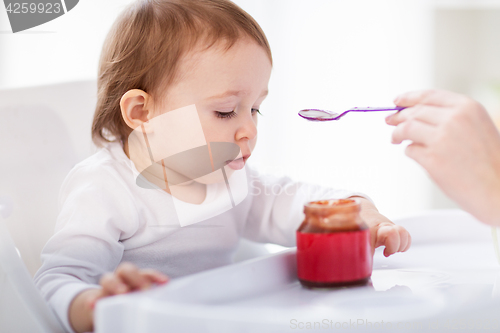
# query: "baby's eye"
225 115
256 111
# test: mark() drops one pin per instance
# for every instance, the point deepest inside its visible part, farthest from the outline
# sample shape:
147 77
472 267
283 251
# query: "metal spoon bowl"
324 115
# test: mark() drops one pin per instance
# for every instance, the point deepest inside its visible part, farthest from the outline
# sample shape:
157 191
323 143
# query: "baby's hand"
127 277
395 238
383 232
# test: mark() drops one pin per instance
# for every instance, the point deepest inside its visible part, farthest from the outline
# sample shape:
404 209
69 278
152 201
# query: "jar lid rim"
333 203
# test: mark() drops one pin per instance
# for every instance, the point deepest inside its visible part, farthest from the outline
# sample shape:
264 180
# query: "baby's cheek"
214 132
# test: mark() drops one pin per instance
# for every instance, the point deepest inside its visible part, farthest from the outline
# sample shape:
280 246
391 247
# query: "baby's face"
227 87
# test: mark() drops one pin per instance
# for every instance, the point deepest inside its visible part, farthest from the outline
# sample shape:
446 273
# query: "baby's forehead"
205 54
207 71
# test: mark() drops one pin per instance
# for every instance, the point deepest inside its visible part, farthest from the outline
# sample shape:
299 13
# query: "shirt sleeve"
277 207
96 213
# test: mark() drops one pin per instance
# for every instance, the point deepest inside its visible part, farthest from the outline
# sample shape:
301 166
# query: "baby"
174 75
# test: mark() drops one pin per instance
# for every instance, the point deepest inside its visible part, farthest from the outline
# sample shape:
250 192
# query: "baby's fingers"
130 275
389 237
139 279
395 238
112 285
405 239
127 277
408 244
154 276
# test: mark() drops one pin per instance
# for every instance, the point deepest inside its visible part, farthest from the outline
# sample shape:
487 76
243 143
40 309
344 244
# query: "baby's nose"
247 129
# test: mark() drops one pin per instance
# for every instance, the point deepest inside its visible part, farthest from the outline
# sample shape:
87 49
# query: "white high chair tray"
440 286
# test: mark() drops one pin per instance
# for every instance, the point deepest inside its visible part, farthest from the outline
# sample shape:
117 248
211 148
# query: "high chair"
22 308
44 132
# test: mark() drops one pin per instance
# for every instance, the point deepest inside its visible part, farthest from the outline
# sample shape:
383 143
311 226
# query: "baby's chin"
216 176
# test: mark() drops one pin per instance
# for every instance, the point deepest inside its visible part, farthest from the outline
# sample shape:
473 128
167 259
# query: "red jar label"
334 257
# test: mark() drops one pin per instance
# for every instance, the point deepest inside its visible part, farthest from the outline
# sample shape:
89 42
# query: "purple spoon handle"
378 108
370 108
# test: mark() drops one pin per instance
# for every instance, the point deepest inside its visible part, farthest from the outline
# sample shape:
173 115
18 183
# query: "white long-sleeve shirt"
106 218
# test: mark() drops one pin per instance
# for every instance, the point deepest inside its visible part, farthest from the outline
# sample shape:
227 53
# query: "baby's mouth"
238 163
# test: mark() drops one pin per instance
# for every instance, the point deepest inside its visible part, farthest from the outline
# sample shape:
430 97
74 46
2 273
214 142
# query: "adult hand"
455 140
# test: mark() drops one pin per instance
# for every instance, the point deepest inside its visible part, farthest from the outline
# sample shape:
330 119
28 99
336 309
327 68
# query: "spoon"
324 115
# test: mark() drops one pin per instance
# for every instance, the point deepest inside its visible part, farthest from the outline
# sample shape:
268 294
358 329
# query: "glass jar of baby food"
333 245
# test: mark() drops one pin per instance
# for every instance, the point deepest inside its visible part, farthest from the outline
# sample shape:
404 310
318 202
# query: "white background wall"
330 54
65 49
335 55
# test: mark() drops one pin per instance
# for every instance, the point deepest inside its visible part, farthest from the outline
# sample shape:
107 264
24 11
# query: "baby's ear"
136 107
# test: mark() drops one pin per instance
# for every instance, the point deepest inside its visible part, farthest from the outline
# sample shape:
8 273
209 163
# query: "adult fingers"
433 115
414 130
416 152
429 97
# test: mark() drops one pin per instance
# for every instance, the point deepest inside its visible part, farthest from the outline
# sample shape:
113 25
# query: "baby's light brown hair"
146 43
